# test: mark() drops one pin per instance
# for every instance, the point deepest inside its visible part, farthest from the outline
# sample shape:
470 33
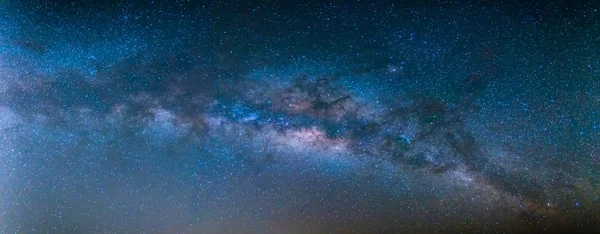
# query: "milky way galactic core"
299 117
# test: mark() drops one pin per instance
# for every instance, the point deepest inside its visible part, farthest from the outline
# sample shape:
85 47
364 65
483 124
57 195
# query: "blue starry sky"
299 117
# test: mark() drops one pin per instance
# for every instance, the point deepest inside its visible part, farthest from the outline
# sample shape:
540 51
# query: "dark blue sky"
283 117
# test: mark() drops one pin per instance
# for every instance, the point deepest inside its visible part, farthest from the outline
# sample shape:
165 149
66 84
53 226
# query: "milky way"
338 117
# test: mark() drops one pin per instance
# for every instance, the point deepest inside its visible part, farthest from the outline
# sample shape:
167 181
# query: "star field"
307 117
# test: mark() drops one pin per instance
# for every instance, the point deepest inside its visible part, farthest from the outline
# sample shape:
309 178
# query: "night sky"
289 117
